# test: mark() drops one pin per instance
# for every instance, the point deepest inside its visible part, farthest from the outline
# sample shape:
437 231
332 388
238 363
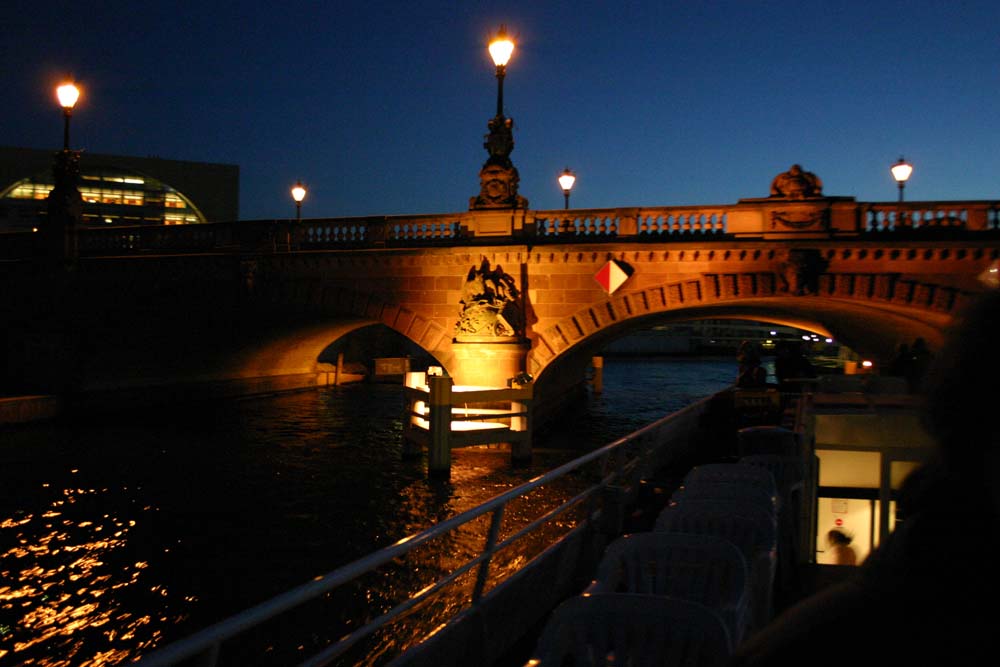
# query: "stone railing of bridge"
761 219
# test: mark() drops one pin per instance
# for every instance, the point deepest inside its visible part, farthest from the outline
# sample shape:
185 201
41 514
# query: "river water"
125 532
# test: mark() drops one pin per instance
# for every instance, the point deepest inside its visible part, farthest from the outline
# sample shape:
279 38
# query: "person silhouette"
917 364
900 363
918 598
751 375
841 550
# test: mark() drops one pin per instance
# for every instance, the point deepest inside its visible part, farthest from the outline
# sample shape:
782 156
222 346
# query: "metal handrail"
207 643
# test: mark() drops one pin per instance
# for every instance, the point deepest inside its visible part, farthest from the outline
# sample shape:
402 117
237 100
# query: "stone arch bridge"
249 306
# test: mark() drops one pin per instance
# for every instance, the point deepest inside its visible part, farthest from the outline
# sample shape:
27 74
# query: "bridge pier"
488 364
598 379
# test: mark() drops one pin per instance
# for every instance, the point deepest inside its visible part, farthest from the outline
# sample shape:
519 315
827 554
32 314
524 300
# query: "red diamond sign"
611 276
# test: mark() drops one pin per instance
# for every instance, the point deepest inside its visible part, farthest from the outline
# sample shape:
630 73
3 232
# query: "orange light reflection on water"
58 577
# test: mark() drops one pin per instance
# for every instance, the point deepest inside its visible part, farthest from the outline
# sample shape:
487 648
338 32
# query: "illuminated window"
90 196
173 201
103 190
30 191
132 198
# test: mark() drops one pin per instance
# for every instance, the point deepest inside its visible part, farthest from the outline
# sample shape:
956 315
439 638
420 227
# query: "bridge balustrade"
331 233
674 222
125 240
578 223
972 216
749 219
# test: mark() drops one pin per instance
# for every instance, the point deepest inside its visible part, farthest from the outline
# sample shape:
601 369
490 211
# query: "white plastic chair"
731 472
768 440
729 475
637 630
753 531
738 491
790 474
706 569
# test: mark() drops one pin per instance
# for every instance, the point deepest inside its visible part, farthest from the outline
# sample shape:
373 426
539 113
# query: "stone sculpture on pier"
490 304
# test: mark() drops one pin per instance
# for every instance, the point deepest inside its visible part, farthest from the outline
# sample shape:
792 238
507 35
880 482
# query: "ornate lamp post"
65 205
901 172
298 194
68 94
501 49
498 178
566 181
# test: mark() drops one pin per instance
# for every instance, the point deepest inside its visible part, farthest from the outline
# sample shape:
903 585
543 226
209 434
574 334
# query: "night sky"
381 107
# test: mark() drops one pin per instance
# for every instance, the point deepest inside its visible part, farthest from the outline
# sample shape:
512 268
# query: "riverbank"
25 409
41 407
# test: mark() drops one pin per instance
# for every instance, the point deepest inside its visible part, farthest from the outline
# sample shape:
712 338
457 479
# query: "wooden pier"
443 416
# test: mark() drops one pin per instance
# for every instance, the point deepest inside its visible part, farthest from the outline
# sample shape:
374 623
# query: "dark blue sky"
381 107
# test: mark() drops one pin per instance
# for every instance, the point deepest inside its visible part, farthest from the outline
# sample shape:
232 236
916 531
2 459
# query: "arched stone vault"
870 313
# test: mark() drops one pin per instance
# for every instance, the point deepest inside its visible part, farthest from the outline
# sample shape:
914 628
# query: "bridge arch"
870 313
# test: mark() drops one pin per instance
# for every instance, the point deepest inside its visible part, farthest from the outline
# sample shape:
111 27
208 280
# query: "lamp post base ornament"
498 179
65 208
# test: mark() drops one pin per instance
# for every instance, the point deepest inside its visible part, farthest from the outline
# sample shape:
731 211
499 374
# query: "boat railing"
610 477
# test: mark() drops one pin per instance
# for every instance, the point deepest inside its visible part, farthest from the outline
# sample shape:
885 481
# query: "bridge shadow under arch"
873 328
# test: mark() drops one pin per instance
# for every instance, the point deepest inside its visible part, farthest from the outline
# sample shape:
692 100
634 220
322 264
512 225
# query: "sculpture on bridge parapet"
801 271
796 183
498 179
490 304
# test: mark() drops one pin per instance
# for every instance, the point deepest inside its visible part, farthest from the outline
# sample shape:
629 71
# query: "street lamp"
68 94
298 194
498 179
901 172
501 48
566 181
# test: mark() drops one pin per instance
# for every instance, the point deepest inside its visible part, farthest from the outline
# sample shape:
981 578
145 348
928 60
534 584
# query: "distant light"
68 94
107 220
829 340
566 180
501 48
34 229
133 180
773 333
901 170
866 364
805 337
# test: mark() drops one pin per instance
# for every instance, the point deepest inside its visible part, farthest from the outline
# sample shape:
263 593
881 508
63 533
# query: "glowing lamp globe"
68 94
501 48
901 171
566 180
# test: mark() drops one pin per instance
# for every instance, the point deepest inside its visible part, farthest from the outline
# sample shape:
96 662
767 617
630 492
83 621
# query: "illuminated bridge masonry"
263 299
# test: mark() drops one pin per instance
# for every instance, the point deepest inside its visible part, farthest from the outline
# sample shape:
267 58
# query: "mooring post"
340 369
598 381
439 415
520 448
412 448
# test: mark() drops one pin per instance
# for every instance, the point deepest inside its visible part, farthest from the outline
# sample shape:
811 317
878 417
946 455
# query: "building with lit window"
119 190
